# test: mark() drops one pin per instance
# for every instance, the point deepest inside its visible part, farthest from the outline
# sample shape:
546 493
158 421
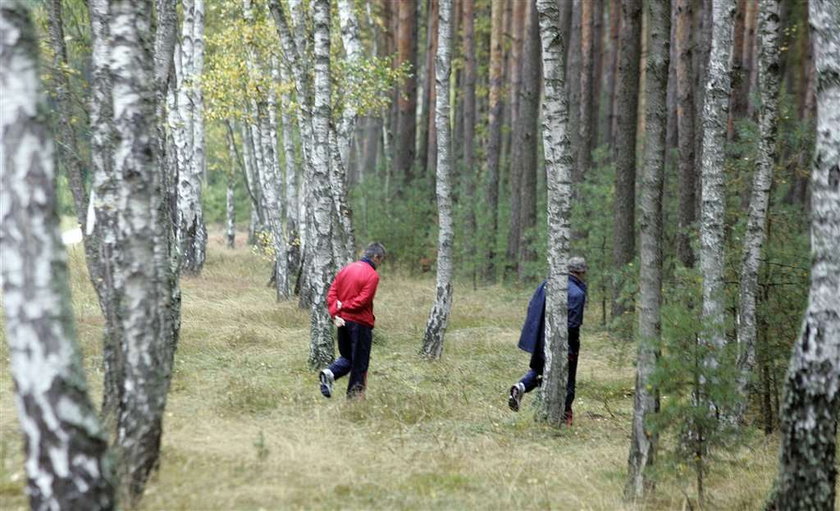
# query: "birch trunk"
715 110
321 347
292 216
558 163
439 315
768 80
65 456
192 233
624 147
643 441
230 205
251 183
142 277
808 465
103 221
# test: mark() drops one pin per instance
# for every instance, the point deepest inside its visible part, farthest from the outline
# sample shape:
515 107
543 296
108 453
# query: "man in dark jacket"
350 303
533 334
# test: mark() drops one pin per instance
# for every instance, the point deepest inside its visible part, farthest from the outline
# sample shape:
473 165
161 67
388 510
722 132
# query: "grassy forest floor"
247 429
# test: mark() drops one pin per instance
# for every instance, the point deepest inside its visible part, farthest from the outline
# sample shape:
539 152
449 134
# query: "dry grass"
246 427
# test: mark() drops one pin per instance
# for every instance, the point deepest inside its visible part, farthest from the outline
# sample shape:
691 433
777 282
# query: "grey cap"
577 264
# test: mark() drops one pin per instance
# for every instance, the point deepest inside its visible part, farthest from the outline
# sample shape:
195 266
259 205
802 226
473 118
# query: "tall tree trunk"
230 204
607 128
407 99
293 209
685 133
469 170
192 233
808 468
558 162
142 274
716 103
643 440
624 148
754 237
525 139
65 445
586 119
321 347
426 122
494 141
439 315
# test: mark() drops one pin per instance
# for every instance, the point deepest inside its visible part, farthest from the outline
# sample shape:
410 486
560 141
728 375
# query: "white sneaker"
327 379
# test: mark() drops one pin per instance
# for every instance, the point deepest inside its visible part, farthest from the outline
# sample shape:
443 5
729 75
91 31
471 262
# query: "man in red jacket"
350 302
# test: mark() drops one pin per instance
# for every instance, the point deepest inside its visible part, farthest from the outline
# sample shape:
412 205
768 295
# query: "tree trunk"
587 101
142 277
469 169
685 133
192 233
293 209
624 147
321 347
808 468
494 141
65 445
762 180
607 129
716 104
427 119
407 99
525 140
439 316
558 163
643 441
230 204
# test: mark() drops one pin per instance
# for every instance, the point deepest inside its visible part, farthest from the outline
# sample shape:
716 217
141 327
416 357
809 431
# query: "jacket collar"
371 263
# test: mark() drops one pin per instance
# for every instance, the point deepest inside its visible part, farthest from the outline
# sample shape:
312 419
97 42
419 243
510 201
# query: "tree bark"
494 142
587 101
407 98
142 277
439 316
558 162
715 109
643 440
469 170
607 129
293 208
66 462
685 133
425 153
808 468
624 148
526 144
230 204
754 237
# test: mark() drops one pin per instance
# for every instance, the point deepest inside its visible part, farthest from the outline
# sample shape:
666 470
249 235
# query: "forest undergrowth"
247 429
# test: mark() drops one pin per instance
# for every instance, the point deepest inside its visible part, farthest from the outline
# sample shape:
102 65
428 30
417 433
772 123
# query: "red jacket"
355 287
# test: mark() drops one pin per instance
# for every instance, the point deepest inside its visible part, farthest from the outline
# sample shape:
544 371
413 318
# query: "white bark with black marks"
642 440
65 458
768 85
558 164
439 316
142 277
715 112
808 465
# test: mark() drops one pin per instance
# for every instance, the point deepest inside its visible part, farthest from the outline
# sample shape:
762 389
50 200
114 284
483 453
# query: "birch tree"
642 440
65 458
558 165
142 279
192 233
768 84
808 465
715 109
439 315
321 346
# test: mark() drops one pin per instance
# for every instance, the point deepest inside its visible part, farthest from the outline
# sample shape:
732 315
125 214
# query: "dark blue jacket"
533 330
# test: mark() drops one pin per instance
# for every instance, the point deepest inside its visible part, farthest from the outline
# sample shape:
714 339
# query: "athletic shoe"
327 379
515 398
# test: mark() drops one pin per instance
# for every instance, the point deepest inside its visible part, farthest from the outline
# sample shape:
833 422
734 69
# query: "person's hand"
338 304
338 321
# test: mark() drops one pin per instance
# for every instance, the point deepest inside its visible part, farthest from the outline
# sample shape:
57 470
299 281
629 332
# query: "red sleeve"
365 296
332 297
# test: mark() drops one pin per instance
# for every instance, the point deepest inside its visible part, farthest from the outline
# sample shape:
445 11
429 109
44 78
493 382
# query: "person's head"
577 267
375 252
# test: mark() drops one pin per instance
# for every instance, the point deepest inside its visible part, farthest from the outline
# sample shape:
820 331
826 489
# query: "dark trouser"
354 342
533 378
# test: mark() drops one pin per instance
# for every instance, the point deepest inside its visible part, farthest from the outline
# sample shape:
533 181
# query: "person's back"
355 288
